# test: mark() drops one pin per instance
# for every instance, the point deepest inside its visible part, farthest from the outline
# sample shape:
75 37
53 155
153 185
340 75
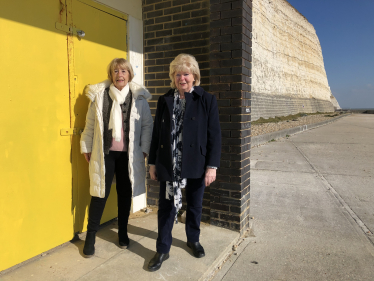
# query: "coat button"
162 120
193 118
191 145
162 146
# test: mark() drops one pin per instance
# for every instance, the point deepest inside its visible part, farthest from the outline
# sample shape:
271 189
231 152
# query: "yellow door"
42 75
36 200
105 39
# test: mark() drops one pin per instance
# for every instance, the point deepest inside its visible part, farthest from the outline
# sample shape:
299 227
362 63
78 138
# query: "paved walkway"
113 263
312 200
312 197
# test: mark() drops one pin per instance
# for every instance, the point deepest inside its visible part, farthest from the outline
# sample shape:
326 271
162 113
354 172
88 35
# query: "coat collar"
91 91
197 90
169 98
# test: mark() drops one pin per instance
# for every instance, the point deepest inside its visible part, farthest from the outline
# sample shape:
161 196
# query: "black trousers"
116 162
166 214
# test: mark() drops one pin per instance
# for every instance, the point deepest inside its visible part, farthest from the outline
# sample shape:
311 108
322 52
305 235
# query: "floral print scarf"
173 188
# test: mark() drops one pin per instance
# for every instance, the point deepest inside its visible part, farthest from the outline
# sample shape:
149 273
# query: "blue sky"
345 29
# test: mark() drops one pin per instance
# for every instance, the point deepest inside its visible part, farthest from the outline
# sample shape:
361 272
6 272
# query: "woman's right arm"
88 133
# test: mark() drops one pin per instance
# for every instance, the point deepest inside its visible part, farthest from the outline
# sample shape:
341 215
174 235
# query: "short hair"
184 62
122 63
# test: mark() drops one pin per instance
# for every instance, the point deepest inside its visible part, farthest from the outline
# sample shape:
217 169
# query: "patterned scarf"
173 188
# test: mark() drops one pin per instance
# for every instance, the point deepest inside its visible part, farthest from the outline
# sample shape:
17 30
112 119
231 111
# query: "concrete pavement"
312 197
262 139
113 263
312 200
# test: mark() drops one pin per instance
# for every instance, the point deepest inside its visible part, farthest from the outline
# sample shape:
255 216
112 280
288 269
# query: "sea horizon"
351 108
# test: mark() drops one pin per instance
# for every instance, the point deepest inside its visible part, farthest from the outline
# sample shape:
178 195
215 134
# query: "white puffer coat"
141 124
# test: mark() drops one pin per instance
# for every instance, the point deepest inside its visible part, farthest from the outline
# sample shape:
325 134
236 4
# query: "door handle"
81 33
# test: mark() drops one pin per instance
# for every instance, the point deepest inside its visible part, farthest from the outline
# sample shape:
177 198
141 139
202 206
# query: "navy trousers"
166 214
116 162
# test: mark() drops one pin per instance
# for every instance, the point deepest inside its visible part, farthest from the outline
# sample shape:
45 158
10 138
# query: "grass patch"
288 118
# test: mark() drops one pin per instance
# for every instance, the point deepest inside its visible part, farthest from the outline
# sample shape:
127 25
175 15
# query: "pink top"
119 145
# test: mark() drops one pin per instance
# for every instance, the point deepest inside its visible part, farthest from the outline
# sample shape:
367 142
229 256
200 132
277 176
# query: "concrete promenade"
312 199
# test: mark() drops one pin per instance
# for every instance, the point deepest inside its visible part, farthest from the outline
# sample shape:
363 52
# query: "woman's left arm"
213 148
146 128
213 154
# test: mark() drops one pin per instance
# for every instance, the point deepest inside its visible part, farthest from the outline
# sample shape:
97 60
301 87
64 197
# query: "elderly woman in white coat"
116 140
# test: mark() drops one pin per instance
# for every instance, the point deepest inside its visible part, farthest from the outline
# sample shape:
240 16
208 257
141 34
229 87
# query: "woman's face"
120 77
184 81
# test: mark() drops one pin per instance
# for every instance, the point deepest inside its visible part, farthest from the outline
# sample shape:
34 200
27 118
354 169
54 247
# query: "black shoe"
197 249
156 261
89 244
124 242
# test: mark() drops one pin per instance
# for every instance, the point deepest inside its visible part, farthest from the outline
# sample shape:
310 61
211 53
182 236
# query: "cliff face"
287 62
335 103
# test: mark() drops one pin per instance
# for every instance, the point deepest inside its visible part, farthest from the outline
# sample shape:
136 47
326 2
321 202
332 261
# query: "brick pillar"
170 28
230 79
218 34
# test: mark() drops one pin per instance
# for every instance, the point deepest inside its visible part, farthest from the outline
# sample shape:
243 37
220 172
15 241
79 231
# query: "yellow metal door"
105 38
35 201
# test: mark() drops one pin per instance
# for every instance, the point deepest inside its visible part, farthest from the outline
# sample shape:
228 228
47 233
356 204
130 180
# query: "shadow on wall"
81 197
80 183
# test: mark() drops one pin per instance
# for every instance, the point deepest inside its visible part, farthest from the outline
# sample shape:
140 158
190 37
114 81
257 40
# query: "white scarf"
115 121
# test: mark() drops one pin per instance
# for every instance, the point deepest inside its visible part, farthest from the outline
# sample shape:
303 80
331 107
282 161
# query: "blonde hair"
184 62
121 63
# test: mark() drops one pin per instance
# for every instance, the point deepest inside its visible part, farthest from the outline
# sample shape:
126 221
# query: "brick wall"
171 28
218 34
230 78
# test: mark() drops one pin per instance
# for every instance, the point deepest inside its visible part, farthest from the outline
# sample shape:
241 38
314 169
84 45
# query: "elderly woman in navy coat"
185 153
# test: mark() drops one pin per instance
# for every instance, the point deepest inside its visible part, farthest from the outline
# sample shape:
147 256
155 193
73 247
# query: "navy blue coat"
201 135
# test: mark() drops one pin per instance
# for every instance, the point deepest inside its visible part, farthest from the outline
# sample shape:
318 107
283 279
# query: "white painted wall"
133 8
135 45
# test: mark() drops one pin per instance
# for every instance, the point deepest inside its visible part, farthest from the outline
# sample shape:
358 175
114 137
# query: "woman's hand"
210 176
152 172
87 156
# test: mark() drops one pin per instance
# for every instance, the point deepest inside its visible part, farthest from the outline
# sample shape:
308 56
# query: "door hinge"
71 131
70 29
